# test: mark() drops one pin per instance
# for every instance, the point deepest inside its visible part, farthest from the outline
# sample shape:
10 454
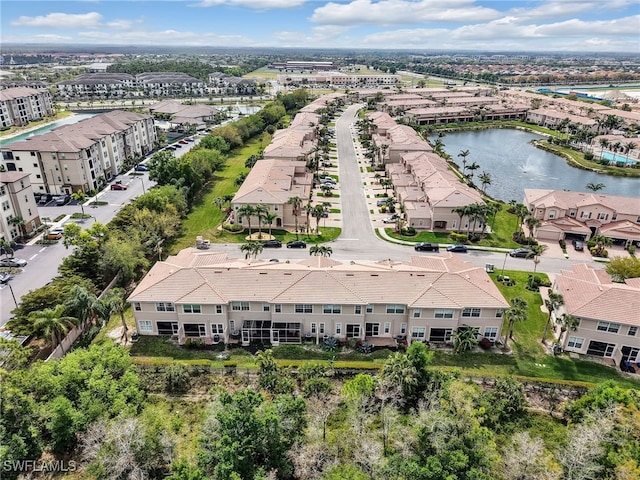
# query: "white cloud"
60 20
321 36
395 12
253 4
164 37
557 9
121 24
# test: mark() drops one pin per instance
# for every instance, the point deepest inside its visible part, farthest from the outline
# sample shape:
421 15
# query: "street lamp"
504 263
141 177
12 294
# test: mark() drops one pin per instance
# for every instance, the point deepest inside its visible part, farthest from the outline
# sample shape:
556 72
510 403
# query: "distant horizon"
517 26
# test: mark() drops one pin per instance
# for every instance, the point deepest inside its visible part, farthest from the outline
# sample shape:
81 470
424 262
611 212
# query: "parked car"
54 235
56 230
296 244
272 244
4 277
170 147
426 247
141 168
44 199
391 219
578 245
183 142
118 186
381 202
457 248
328 179
521 253
63 200
13 262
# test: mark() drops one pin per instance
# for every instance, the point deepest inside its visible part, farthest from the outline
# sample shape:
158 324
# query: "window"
218 309
335 309
321 328
444 313
418 333
603 216
440 334
417 313
314 329
217 328
403 328
145 326
552 214
397 309
265 307
137 307
471 312
191 308
357 310
370 308
338 328
303 308
387 327
499 312
165 307
491 333
575 342
277 308
239 306
608 327
633 331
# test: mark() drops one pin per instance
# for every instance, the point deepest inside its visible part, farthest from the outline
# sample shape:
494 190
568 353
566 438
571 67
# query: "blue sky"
527 25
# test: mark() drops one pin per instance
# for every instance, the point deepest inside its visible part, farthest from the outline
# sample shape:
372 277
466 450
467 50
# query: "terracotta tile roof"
567 199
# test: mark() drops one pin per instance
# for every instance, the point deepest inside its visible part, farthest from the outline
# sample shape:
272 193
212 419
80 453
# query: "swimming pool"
616 157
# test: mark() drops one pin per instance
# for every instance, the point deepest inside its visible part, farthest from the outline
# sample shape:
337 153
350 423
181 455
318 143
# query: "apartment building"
608 317
81 156
17 202
212 298
580 215
21 105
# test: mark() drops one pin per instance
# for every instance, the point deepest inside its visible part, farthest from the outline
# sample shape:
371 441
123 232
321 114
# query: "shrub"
563 244
409 231
588 156
331 344
631 249
176 377
458 237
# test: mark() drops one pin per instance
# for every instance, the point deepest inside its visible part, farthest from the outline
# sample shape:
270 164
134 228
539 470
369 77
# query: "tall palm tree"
318 213
532 223
604 143
251 248
520 211
516 313
115 302
18 222
567 322
320 250
595 187
246 211
472 168
85 306
51 324
553 303
296 203
268 219
628 147
464 154
80 197
461 211
261 210
485 181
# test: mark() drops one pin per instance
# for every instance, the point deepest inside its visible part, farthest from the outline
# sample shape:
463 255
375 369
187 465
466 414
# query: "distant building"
297 65
17 201
21 105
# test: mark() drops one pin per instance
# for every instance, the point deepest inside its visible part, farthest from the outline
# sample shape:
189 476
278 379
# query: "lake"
46 128
515 164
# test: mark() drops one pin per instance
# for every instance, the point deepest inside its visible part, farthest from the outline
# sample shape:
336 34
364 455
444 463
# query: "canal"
515 164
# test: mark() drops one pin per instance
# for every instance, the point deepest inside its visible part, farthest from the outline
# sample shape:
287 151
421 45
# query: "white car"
391 219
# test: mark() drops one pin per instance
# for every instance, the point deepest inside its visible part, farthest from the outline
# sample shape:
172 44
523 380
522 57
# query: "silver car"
13 262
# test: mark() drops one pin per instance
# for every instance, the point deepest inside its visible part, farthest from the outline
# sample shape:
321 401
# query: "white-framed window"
443 313
491 333
471 312
403 328
277 308
633 331
417 312
357 310
218 309
239 306
338 328
608 327
332 309
395 309
145 325
137 307
321 328
191 308
232 325
303 308
387 327
265 307
314 328
603 216
370 308
499 312
575 342
217 328
418 333
165 307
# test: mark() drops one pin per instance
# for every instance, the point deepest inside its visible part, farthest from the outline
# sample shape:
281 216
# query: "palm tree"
85 306
268 219
246 211
18 222
604 143
318 213
80 197
116 303
261 210
536 253
601 243
532 223
567 322
595 187
320 250
296 203
464 154
472 168
464 339
461 211
553 303
516 313
628 147
251 248
520 211
485 181
51 324
219 202
308 208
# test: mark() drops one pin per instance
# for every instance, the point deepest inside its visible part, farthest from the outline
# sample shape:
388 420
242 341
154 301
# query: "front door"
246 340
275 337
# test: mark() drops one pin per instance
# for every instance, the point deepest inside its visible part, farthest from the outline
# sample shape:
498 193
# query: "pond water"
47 128
515 164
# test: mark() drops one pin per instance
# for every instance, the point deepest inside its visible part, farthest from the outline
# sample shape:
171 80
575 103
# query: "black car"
521 253
426 247
296 244
141 168
457 248
272 244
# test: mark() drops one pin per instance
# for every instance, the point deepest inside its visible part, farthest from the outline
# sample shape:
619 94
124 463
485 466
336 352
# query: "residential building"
178 114
208 297
21 105
17 202
607 314
580 215
97 86
81 156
